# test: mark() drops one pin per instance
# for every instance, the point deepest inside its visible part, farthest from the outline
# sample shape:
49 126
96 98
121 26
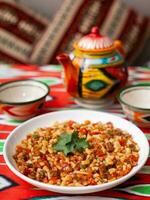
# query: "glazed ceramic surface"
22 100
135 101
94 70
77 115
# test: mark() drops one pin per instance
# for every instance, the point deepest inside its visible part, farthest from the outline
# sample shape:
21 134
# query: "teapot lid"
95 42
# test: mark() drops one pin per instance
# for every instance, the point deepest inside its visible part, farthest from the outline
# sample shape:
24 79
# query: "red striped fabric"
19 189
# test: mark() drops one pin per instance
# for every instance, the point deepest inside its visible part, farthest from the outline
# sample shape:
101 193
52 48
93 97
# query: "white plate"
78 115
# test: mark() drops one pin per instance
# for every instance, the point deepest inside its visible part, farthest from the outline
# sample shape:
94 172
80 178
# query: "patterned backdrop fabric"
114 19
12 187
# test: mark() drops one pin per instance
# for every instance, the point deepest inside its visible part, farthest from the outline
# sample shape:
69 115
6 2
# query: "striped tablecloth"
13 188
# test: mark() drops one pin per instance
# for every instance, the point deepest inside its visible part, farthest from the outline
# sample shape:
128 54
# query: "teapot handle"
1 107
119 47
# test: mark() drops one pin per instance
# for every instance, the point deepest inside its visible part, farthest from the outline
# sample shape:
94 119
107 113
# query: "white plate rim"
75 189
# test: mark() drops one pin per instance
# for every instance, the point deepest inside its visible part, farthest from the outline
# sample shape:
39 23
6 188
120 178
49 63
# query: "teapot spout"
64 60
71 77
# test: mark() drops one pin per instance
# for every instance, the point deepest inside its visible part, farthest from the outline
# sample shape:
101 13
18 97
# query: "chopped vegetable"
35 136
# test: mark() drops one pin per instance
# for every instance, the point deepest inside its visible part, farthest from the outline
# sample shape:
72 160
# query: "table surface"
12 187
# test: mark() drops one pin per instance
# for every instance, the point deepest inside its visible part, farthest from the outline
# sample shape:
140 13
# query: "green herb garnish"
35 136
69 143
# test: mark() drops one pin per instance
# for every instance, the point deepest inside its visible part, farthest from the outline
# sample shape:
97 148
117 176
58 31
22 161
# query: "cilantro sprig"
69 143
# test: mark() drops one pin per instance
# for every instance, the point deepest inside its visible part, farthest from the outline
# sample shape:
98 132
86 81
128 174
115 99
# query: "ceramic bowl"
22 99
45 120
135 101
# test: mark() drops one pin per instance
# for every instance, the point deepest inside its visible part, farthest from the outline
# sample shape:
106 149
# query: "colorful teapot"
94 71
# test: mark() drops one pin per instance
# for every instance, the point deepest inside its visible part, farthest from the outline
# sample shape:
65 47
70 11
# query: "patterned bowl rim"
127 89
26 102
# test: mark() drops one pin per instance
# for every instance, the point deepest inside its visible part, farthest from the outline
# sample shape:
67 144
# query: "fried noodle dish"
77 154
